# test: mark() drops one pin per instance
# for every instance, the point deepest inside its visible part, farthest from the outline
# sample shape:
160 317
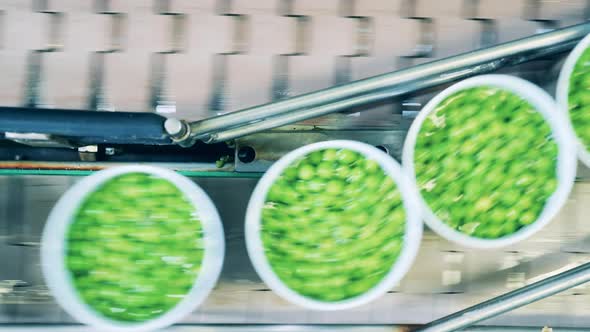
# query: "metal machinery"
184 78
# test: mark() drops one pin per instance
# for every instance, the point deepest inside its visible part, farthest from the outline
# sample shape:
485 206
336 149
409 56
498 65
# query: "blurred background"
194 59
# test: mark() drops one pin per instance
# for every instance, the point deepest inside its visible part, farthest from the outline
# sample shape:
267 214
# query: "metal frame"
412 79
512 300
86 127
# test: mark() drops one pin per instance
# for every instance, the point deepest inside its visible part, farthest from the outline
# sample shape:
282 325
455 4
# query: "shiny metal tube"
292 117
310 113
512 300
401 81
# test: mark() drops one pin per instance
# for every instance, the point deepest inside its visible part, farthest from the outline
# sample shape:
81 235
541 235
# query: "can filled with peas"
333 225
573 95
132 248
492 160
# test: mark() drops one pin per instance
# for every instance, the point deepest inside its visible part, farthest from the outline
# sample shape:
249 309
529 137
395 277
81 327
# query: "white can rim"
566 163
562 95
58 278
412 237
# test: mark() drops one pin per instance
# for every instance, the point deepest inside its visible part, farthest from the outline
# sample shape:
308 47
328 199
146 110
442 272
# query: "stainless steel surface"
389 85
513 300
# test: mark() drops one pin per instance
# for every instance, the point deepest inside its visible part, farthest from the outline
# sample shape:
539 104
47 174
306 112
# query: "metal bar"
401 81
292 117
90 127
216 328
270 328
512 300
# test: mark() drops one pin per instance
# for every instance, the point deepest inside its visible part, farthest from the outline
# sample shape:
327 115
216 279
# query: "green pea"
392 247
371 166
361 286
334 187
290 173
330 155
550 186
347 156
316 157
76 263
483 204
490 231
527 218
373 182
579 99
294 283
332 295
368 231
345 232
369 201
496 217
509 227
312 271
305 172
360 219
381 211
343 172
325 170
469 228
393 197
286 195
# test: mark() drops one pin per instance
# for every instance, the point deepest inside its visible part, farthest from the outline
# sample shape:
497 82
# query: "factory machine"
218 90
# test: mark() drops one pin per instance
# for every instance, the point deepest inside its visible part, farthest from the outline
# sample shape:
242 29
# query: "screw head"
173 126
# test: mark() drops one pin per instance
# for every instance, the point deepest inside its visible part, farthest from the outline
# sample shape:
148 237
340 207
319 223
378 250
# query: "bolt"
246 154
174 127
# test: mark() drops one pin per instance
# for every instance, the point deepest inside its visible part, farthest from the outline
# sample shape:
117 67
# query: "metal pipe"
413 78
512 300
305 114
292 117
87 126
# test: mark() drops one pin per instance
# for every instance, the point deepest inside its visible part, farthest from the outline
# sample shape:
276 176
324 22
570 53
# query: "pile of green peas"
485 162
134 247
332 225
579 98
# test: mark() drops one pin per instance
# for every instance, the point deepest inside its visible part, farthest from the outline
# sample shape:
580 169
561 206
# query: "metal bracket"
255 153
